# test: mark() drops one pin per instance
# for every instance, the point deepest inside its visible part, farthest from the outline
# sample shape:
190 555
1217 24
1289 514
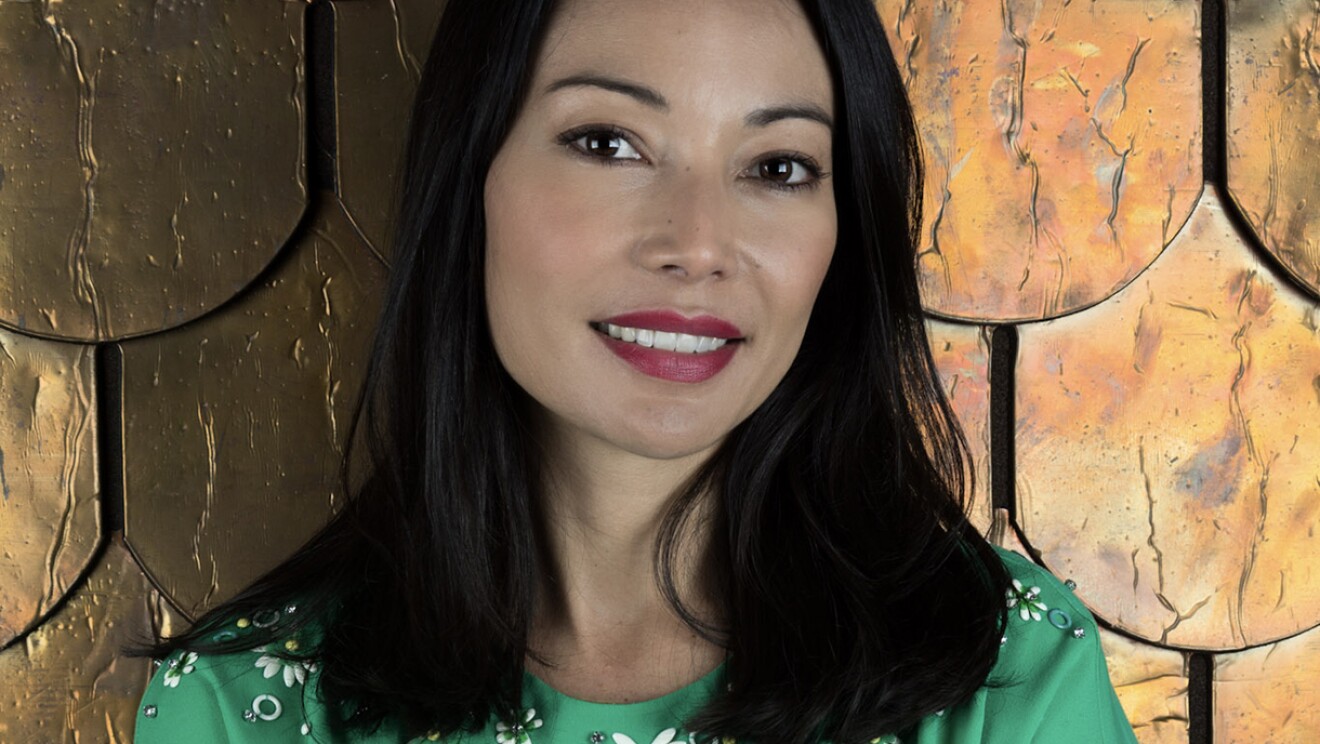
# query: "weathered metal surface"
233 425
1151 683
962 354
1269 693
1168 446
1273 105
379 52
152 159
49 515
66 682
1062 142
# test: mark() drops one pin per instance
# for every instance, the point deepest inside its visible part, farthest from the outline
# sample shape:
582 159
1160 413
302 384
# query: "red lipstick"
672 322
675 366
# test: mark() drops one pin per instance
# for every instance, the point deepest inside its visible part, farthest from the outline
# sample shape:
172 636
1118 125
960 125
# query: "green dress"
1051 647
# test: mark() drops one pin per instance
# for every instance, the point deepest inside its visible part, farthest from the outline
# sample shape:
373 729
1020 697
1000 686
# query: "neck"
599 606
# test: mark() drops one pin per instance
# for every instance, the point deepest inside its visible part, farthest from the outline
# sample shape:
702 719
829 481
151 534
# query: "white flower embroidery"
1026 600
664 737
179 667
295 672
516 732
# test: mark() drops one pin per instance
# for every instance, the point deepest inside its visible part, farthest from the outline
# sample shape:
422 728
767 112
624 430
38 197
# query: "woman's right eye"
602 144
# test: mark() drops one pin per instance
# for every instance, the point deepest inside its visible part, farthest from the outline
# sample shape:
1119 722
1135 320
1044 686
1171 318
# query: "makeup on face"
667 345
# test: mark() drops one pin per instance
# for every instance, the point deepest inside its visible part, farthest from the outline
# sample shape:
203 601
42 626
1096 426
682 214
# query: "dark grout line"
1214 145
323 154
1200 696
1003 466
108 360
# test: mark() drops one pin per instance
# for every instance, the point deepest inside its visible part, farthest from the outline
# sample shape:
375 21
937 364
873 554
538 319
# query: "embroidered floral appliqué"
664 737
179 667
518 731
294 672
1027 601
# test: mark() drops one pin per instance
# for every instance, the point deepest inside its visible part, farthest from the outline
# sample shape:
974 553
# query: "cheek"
796 265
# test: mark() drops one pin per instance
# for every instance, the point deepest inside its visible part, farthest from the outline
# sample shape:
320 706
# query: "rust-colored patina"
1168 446
962 354
1273 131
1062 144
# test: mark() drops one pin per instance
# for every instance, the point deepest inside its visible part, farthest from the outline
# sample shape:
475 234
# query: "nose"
693 235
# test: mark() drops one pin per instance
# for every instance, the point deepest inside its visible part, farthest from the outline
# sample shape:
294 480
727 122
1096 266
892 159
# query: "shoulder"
1047 624
1051 675
258 693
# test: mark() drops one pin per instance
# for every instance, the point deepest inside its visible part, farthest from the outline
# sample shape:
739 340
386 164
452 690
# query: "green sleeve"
223 698
1050 683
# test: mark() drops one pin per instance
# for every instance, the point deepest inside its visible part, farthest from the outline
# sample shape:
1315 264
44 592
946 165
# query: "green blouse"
1051 647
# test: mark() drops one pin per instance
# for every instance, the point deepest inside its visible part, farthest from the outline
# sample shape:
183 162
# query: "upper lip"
671 321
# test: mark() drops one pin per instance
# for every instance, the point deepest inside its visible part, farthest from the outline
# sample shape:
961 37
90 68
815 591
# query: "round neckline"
667 702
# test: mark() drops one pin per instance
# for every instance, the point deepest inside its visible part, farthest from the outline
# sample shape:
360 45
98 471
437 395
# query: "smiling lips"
669 346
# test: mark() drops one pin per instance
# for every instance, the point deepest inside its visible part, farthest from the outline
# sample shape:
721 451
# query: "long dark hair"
859 598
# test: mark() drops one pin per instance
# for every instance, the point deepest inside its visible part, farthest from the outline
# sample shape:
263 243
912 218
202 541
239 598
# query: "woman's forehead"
690 51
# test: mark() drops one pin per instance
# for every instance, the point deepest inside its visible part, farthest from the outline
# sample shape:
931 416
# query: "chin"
670 443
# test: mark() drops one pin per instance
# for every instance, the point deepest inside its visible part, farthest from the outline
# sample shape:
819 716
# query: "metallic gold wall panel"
380 48
1273 106
1168 446
50 519
66 681
1151 683
1269 693
962 354
1063 145
233 424
153 159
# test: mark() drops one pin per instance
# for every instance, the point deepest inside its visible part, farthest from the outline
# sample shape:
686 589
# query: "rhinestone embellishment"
249 716
1070 584
1079 632
149 711
597 737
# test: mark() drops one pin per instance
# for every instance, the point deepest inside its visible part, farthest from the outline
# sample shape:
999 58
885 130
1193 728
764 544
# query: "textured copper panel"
1063 145
49 515
66 681
1168 446
962 354
153 159
233 424
380 48
1269 694
1273 105
1151 683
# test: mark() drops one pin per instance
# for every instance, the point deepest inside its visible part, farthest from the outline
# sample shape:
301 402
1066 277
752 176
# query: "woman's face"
668 174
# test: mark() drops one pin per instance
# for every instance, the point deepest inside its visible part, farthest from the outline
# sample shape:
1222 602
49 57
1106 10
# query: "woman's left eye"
790 171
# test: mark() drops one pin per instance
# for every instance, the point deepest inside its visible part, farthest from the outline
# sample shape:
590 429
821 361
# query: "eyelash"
567 139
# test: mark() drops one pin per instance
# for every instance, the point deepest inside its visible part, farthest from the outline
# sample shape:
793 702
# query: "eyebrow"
761 117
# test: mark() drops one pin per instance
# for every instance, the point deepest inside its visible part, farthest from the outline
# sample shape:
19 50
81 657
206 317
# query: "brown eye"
788 172
601 144
778 169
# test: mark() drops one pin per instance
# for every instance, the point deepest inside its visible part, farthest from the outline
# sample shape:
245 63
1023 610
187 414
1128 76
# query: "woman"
658 452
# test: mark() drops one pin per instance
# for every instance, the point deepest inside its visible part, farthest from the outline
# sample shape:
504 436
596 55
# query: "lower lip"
675 366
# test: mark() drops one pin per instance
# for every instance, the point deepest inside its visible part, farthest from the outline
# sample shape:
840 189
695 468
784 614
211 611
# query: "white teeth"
665 340
681 342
